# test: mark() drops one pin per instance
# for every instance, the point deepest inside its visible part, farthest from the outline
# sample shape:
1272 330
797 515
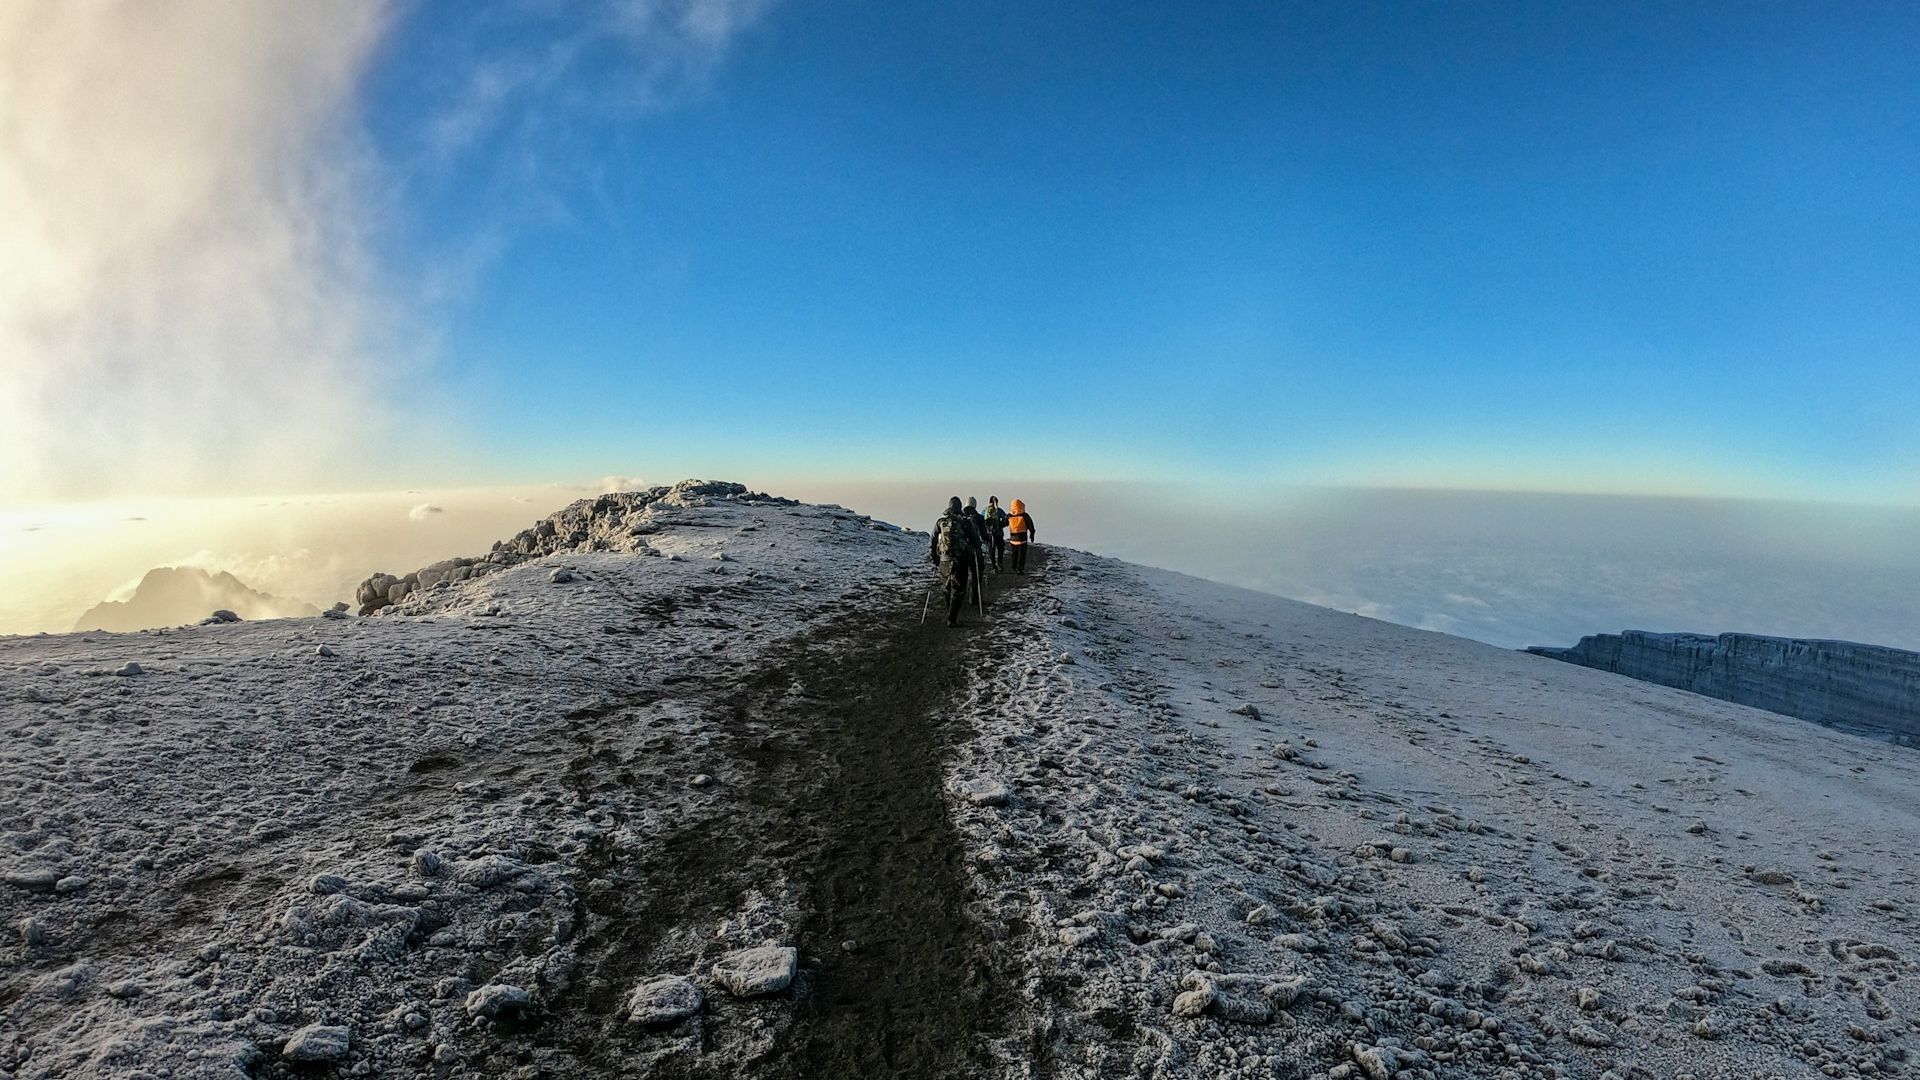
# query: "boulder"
664 1000
318 1042
496 999
754 972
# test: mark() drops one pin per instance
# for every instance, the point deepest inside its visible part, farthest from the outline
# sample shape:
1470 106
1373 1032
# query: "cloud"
188 291
565 60
198 290
610 484
424 511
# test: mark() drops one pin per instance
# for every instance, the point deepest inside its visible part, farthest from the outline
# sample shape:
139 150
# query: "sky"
1519 321
1653 249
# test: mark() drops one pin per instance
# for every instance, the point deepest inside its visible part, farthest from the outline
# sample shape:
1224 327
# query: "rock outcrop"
178 595
1867 688
615 522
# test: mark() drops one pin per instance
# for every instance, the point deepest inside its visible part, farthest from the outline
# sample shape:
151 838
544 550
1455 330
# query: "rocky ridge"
616 522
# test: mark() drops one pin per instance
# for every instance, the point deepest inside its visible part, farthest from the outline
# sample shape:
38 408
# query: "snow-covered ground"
1142 825
1275 840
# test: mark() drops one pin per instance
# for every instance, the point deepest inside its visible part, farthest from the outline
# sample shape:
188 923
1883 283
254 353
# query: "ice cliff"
1837 683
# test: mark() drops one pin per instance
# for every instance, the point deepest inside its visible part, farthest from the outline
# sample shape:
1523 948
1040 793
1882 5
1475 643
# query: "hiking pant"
959 576
1019 558
999 550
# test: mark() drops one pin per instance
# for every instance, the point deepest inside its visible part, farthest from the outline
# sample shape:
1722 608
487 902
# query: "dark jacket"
979 523
968 538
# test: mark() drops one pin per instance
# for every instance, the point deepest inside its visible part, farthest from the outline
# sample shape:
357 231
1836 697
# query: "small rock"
664 1000
317 1042
326 651
1586 1035
1066 658
560 576
1248 710
752 972
1588 999
1076 936
131 667
1241 1009
1401 855
33 932
125 990
494 999
701 780
1194 1002
72 883
326 884
223 616
427 863
982 791
34 879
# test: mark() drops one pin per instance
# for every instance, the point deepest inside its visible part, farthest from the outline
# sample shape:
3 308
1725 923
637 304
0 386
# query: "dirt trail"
843 742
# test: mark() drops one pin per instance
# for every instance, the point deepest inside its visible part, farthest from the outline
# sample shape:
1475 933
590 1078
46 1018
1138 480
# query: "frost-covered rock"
664 1000
494 999
982 791
489 870
318 1042
31 878
752 972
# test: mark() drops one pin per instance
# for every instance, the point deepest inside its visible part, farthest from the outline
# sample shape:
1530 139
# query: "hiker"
956 548
1020 526
979 523
996 520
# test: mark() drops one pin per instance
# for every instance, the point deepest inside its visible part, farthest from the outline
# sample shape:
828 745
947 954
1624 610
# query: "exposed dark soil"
845 738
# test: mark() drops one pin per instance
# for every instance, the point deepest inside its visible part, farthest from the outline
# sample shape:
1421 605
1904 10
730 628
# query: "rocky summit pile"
618 522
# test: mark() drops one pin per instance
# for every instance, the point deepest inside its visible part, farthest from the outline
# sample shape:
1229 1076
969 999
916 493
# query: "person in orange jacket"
1020 533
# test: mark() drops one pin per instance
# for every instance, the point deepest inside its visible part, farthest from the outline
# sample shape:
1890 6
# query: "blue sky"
1625 247
1665 248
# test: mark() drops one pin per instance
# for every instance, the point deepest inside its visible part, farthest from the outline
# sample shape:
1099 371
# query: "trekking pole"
924 605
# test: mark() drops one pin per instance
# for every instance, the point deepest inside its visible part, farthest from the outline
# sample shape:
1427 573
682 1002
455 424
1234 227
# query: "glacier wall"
1866 688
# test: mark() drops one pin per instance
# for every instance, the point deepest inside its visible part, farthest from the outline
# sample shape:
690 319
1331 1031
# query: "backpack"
956 539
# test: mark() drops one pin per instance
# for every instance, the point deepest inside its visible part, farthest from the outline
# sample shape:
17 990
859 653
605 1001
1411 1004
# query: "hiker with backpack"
996 520
979 523
956 547
1021 533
